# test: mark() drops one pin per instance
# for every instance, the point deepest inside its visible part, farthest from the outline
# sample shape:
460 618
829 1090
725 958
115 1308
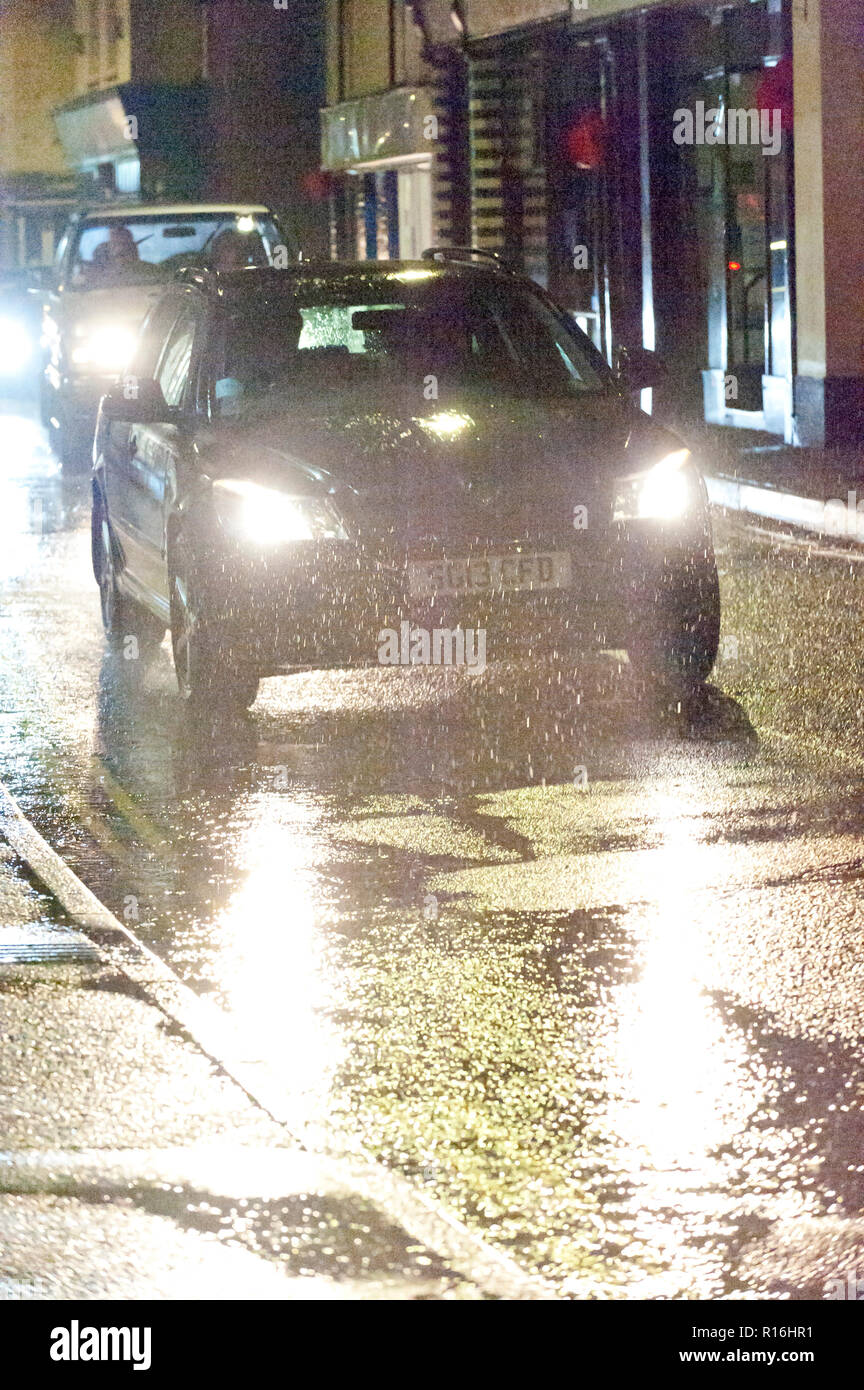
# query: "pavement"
815 492
134 1168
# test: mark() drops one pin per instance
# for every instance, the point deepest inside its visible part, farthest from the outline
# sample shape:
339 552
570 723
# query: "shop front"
648 226
136 140
379 152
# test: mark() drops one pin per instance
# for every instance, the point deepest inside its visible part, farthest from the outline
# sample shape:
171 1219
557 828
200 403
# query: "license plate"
483 573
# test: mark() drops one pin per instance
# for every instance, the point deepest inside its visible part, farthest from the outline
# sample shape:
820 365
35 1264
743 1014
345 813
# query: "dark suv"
306 464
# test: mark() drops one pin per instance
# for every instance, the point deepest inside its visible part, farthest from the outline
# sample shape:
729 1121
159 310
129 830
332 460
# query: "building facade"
180 99
394 133
133 123
678 174
37 189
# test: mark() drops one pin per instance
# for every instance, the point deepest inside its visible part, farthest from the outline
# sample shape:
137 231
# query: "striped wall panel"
508 176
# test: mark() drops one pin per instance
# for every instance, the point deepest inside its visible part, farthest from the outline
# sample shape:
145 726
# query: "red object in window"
750 202
774 91
316 185
734 265
585 141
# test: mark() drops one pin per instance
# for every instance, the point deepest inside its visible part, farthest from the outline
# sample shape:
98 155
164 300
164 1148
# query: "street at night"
431 681
583 968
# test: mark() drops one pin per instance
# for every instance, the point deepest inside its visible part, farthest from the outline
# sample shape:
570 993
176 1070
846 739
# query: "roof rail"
217 282
465 254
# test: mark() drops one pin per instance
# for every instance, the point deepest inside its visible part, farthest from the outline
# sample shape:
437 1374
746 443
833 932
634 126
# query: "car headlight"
266 516
16 347
661 493
106 349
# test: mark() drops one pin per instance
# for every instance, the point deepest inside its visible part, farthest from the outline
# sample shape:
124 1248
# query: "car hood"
490 467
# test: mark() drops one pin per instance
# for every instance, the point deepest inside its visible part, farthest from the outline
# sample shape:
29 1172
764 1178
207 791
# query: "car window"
173 373
467 334
143 248
151 338
538 342
331 325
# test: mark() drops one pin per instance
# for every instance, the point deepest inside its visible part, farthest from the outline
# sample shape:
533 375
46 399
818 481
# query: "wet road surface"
586 970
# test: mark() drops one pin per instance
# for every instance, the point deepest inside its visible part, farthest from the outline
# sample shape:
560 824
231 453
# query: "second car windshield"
142 249
445 335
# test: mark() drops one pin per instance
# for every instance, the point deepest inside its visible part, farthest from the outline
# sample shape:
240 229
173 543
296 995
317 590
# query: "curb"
818 518
490 1270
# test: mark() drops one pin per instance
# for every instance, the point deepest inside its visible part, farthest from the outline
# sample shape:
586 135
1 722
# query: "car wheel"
208 677
122 618
678 642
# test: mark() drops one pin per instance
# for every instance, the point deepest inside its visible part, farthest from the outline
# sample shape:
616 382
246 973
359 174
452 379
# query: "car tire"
677 644
209 678
122 617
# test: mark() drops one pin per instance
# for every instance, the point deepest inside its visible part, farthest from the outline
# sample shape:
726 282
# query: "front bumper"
327 603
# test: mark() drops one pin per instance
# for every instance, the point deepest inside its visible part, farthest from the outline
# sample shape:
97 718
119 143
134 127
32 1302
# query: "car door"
132 485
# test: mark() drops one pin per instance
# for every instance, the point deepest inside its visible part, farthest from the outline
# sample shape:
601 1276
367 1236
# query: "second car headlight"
661 493
107 348
267 516
16 347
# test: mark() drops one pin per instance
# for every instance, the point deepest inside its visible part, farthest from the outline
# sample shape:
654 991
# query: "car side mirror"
639 369
138 402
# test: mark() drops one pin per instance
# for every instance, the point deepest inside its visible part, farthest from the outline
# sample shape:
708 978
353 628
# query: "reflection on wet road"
610 1016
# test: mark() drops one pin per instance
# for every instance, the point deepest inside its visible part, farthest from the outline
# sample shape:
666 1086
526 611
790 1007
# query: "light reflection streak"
271 964
680 1079
21 441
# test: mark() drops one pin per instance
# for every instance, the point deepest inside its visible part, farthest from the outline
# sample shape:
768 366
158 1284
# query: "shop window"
105 176
584 192
370 217
415 211
390 207
738 173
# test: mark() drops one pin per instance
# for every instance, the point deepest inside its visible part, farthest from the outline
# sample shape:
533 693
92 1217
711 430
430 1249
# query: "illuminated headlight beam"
16 346
107 348
265 516
662 493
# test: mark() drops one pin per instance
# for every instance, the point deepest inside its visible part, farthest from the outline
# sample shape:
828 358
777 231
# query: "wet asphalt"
585 969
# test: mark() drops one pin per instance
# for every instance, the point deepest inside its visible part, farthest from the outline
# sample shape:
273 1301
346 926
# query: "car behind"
112 264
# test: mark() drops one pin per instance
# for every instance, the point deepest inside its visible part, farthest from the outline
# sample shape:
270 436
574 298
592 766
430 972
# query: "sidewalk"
808 489
132 1168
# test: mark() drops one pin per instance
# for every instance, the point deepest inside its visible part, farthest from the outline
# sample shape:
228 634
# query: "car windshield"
438 334
141 249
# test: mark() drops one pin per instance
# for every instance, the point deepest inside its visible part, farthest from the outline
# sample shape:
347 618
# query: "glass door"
738 181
